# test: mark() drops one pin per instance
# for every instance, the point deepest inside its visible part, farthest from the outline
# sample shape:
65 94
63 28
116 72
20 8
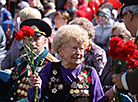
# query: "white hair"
133 9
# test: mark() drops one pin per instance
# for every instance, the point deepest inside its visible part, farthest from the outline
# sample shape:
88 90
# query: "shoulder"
97 49
51 58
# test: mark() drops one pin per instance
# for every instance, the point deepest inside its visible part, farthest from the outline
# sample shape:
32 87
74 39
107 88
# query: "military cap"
40 26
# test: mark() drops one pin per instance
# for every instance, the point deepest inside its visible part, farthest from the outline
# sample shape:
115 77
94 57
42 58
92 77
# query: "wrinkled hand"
35 81
109 95
117 80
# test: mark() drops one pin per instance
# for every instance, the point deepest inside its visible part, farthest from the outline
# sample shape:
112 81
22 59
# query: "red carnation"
117 44
130 47
19 35
114 53
28 31
132 63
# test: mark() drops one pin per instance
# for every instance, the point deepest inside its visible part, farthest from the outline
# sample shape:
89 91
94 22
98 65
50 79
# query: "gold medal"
71 91
76 91
18 91
80 86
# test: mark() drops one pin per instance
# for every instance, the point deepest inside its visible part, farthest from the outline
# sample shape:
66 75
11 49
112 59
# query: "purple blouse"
70 75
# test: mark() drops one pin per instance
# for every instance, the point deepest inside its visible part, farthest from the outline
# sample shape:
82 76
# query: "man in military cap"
128 80
20 75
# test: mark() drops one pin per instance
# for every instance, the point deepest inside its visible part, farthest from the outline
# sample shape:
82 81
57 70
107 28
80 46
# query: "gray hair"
67 32
133 9
86 24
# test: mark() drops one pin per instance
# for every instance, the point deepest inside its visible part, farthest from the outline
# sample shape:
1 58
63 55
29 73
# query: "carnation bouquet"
26 32
124 55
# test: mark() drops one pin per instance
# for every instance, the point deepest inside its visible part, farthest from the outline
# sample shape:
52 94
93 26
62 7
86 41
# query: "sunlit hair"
86 24
133 9
67 33
121 30
29 12
63 14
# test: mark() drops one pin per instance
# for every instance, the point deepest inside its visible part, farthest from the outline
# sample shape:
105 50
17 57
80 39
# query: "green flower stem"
118 95
30 62
33 70
36 94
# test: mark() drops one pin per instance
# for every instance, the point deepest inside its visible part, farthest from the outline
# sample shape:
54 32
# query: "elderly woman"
68 80
94 55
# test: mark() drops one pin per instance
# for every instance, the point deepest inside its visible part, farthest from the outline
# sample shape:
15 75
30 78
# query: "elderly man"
20 74
128 80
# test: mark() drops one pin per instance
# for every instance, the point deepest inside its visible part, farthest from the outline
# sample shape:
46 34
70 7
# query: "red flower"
28 31
132 63
114 53
19 35
117 44
130 47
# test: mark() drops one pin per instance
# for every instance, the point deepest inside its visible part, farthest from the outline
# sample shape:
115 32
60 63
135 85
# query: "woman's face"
103 20
59 21
72 54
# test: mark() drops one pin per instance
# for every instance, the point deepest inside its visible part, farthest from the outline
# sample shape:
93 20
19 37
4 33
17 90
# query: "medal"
80 86
22 92
85 86
54 90
71 91
25 94
53 79
76 91
54 72
86 92
74 85
18 91
60 86
24 85
21 85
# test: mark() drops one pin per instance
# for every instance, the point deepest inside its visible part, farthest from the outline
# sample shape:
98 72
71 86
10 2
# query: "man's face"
129 20
38 43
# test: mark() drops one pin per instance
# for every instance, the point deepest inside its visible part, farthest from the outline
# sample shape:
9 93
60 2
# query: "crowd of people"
60 48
